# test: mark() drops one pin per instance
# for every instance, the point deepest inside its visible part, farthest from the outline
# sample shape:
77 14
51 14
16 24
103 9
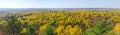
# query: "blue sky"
59 3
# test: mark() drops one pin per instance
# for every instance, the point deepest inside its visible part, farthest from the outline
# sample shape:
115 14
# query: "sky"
59 3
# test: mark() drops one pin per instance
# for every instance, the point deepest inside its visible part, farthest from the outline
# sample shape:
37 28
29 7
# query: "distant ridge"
7 10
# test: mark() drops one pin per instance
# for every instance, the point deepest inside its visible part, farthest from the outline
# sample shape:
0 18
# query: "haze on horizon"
59 3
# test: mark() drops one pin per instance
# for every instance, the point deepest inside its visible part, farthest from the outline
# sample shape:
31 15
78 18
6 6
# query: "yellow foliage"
24 30
73 31
117 29
43 27
66 22
59 30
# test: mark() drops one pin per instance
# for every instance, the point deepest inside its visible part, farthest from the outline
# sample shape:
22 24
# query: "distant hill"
7 10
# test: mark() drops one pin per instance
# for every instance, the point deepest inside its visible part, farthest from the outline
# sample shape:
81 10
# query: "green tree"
49 30
99 28
13 26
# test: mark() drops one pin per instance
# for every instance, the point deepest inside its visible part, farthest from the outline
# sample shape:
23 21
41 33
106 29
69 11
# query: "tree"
14 26
49 30
99 28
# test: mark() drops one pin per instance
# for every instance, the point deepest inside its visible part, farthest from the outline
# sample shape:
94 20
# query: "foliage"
99 28
13 26
49 30
61 22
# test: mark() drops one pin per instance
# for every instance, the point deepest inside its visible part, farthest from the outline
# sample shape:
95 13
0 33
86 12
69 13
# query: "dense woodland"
61 22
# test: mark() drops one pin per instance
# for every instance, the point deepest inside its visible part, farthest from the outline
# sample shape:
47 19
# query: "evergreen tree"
49 30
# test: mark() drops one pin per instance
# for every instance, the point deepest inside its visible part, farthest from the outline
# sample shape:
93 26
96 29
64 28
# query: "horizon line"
101 7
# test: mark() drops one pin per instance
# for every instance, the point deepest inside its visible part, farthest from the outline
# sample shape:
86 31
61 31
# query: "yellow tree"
59 30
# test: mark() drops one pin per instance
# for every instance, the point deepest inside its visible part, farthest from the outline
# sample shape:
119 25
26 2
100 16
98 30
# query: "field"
61 22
